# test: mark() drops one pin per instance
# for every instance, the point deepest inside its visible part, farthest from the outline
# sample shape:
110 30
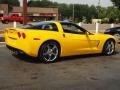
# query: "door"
75 40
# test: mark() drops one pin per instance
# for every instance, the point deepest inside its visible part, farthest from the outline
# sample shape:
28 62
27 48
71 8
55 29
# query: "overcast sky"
104 3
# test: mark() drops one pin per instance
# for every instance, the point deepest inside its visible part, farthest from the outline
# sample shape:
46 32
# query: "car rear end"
17 40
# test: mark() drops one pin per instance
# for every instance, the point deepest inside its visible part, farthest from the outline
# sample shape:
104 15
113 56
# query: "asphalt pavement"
86 72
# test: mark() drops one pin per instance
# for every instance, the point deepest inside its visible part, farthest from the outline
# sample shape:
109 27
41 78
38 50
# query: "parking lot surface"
86 72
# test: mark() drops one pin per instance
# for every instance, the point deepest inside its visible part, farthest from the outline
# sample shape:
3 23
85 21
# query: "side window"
71 28
43 26
118 29
50 26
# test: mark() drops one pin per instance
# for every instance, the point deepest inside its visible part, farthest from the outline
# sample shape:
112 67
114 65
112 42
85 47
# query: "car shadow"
76 57
26 58
29 59
69 58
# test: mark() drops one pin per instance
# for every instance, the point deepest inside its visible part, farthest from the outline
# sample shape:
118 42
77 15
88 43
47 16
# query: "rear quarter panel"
41 36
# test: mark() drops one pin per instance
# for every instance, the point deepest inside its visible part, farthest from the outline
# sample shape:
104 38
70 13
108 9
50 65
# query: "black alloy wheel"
109 47
49 52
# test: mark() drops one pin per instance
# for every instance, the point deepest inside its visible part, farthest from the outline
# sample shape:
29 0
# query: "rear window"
41 26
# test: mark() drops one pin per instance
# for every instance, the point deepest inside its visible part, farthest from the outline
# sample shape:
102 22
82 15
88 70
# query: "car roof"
42 22
114 28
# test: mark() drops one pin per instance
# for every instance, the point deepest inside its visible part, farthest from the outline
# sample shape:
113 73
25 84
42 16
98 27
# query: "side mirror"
87 33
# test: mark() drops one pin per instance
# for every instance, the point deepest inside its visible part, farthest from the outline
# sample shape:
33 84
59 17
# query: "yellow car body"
30 40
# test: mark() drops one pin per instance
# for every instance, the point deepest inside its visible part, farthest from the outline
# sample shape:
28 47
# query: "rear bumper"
13 49
20 50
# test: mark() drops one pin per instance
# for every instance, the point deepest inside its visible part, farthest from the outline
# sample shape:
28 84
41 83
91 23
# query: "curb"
2 39
1 35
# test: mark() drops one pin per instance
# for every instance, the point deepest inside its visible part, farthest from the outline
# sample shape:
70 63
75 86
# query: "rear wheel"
109 47
5 22
49 52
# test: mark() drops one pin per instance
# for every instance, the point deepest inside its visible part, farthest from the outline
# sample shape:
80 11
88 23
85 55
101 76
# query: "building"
37 14
3 9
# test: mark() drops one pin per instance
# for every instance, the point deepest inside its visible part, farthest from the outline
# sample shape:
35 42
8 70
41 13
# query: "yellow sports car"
50 40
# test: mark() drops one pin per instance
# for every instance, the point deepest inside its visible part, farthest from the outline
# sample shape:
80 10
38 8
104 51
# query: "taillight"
2 18
23 35
19 35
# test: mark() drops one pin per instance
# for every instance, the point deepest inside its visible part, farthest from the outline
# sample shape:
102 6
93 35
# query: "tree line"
82 12
10 3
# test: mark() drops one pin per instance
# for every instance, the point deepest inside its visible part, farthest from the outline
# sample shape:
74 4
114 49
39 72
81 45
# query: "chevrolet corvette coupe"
50 40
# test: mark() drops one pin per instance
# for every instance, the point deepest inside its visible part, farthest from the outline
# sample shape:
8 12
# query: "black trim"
13 38
14 49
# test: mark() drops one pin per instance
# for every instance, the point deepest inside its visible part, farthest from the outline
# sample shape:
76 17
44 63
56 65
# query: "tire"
49 52
21 22
109 47
5 22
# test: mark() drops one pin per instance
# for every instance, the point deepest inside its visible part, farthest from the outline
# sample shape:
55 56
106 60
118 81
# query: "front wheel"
49 52
21 22
109 47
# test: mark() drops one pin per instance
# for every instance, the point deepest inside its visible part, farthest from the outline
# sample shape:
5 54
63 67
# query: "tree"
40 3
116 3
81 12
113 14
10 3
